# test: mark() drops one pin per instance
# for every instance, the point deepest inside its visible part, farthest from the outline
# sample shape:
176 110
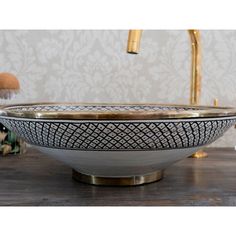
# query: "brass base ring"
118 181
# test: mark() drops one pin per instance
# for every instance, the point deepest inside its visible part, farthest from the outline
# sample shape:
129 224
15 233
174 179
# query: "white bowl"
127 144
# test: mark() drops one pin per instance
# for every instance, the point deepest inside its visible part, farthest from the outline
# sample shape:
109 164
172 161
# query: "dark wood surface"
36 180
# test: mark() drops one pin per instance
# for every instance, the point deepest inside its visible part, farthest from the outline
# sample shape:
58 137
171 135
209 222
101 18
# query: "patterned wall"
92 66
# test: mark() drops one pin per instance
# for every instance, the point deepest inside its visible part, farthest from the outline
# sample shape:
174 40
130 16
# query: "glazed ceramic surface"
117 140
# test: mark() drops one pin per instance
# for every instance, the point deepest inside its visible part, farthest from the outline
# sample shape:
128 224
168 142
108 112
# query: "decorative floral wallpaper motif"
93 66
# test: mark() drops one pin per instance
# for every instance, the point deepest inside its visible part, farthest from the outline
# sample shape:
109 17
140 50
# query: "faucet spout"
133 47
134 39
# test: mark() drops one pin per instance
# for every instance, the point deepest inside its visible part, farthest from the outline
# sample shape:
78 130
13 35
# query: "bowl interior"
99 108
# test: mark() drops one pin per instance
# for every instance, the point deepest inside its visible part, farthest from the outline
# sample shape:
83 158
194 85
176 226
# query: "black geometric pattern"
119 135
98 108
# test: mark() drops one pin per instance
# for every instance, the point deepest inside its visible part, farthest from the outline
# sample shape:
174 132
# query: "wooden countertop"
34 179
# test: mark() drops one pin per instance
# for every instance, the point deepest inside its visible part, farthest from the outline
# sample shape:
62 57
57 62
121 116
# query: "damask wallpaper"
93 66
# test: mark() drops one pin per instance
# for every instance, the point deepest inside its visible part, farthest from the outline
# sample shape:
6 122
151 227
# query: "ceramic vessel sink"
127 144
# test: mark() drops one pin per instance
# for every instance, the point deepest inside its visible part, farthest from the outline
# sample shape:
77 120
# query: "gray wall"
92 66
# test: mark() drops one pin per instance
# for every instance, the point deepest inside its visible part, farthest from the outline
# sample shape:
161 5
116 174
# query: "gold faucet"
133 47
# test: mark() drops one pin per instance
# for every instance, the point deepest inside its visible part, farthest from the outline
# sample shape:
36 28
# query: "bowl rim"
199 112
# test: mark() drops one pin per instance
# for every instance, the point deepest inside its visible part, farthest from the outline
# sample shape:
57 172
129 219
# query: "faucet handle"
216 102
